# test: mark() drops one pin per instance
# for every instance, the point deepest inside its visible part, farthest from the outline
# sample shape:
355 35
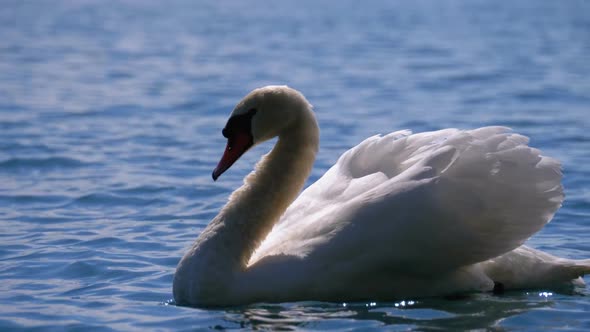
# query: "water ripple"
110 119
27 164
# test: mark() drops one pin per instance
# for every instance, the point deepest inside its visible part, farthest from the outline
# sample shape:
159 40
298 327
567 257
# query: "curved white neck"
267 192
223 249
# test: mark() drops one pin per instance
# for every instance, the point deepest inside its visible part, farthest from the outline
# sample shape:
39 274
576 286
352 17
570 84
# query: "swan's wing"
426 202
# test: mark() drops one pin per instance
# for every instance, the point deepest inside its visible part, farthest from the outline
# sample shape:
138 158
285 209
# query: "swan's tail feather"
569 272
583 266
572 269
526 267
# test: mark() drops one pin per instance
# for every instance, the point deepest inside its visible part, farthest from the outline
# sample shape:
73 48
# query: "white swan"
397 216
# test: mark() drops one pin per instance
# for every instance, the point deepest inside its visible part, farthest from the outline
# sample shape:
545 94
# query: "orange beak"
235 148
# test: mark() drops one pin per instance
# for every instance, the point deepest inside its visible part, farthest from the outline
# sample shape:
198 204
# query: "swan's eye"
239 123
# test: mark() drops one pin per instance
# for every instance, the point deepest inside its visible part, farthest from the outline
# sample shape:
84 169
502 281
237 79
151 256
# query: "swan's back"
426 202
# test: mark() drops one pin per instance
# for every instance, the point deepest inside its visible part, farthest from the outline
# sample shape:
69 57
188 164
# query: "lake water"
110 119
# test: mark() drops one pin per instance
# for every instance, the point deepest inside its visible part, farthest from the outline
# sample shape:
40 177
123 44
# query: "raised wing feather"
425 202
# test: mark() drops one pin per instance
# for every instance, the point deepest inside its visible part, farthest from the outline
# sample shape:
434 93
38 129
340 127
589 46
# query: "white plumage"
400 215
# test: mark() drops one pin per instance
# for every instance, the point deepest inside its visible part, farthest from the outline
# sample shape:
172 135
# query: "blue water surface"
110 119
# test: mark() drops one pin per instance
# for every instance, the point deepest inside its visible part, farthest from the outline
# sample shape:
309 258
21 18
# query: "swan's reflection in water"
479 311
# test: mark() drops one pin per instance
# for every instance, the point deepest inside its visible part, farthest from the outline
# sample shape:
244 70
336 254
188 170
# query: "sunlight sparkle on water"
543 294
404 303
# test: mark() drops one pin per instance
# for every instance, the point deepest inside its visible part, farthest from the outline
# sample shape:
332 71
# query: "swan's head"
263 114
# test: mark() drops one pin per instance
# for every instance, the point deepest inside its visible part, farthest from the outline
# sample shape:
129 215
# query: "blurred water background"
110 119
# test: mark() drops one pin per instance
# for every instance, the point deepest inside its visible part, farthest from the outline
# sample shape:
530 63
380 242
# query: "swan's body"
397 216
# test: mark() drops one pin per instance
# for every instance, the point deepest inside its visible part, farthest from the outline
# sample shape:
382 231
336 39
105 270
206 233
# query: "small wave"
144 189
40 163
550 94
102 199
34 200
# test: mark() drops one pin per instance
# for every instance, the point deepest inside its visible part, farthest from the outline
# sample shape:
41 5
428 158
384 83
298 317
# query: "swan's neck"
254 208
230 239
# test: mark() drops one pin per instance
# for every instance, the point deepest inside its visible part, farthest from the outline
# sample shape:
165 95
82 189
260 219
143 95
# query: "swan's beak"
235 148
